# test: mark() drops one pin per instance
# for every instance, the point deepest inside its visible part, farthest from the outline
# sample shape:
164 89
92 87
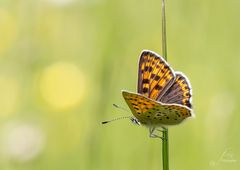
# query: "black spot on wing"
145 81
153 75
145 90
158 87
157 78
146 68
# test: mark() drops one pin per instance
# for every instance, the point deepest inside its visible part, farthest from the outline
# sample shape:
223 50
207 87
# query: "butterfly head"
135 121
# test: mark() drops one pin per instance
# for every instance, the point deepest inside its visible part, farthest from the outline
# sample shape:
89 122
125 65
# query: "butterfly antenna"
119 107
118 118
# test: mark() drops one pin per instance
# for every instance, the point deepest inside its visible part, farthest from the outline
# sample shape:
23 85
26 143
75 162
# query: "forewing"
150 112
155 75
180 92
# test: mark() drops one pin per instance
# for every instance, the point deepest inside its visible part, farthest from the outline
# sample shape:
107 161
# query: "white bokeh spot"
22 142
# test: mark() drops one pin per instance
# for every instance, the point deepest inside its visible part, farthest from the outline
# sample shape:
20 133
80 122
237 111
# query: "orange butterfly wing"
155 75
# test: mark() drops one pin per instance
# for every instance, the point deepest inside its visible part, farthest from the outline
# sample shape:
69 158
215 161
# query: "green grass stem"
165 155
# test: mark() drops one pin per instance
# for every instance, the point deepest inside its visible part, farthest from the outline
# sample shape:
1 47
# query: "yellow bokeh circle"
8 31
62 85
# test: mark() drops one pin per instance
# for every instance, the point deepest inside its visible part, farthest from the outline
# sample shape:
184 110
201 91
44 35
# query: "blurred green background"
64 62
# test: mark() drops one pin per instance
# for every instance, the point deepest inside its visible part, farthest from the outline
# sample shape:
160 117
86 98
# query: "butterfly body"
163 97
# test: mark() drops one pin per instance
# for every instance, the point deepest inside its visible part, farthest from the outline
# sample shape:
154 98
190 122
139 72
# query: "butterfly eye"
135 121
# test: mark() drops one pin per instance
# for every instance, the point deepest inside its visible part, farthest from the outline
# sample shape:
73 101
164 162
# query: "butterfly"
163 95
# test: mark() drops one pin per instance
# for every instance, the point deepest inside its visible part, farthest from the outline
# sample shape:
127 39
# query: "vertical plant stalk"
164 33
165 155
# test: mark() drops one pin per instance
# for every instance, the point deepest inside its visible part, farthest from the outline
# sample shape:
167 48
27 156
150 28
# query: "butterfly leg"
152 134
162 129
